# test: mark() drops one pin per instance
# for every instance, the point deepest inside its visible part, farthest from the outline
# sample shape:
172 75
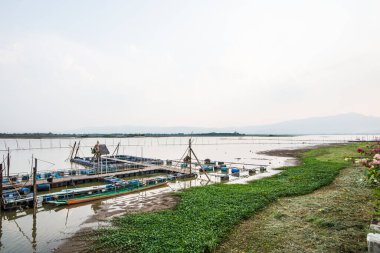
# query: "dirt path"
331 219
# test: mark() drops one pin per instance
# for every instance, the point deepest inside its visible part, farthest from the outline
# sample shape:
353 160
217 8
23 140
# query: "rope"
180 160
46 162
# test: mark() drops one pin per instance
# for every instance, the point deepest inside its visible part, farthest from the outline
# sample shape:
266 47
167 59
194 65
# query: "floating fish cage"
13 199
72 172
6 181
175 176
24 190
224 169
25 177
209 162
206 168
235 170
172 177
43 187
224 178
114 163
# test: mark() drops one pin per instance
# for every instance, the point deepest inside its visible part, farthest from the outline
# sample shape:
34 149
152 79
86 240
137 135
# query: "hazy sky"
72 64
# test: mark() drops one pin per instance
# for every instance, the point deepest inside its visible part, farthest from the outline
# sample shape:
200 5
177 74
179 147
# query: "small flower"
363 162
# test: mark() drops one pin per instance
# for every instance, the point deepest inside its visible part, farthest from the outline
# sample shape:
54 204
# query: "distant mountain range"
349 123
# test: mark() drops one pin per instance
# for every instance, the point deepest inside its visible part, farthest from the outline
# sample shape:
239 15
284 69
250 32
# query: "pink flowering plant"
370 158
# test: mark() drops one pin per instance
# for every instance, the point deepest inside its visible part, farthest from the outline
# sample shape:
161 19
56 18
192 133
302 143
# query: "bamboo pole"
35 185
34 231
100 163
76 152
200 163
72 151
34 228
190 153
106 166
8 162
1 185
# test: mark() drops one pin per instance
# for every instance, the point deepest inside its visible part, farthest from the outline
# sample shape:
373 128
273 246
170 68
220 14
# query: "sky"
67 65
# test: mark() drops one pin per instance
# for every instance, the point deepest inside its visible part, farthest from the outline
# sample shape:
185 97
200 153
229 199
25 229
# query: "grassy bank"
206 215
334 218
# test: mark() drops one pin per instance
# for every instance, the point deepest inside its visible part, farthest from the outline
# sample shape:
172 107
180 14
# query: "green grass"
334 218
206 215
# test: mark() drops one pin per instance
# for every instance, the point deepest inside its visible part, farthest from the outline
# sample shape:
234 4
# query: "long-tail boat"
86 194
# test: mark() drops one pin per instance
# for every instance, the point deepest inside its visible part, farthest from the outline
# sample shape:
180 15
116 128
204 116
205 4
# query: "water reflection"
34 230
1 229
21 227
56 223
219 148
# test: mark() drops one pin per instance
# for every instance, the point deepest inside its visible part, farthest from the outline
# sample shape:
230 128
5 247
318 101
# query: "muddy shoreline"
80 241
294 155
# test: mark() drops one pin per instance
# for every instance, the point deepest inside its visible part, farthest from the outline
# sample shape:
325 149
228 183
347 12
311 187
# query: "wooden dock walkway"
81 179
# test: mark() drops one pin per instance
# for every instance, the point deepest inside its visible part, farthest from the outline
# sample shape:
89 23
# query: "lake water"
19 232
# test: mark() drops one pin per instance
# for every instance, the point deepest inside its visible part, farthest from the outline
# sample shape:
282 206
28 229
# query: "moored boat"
86 194
12 199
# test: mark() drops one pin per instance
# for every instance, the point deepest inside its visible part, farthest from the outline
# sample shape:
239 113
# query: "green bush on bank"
206 215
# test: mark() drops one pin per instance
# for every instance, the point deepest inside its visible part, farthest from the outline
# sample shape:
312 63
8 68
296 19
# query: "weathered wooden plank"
75 178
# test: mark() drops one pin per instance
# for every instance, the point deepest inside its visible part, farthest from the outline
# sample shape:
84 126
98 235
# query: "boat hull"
107 195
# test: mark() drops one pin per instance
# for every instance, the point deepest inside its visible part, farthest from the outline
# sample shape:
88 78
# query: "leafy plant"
370 158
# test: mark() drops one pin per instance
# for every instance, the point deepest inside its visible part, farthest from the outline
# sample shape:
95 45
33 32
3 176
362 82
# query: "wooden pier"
81 179
103 165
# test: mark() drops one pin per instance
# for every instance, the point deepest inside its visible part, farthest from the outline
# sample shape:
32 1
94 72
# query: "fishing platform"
102 165
70 180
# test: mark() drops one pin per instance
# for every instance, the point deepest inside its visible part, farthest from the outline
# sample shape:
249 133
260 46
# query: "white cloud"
199 64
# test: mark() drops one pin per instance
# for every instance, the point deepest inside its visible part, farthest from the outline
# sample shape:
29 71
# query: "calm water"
20 233
57 151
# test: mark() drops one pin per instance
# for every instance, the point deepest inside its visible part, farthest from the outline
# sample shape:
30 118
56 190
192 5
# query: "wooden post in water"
196 158
76 152
35 186
72 151
34 228
106 166
8 162
190 153
34 232
1 185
